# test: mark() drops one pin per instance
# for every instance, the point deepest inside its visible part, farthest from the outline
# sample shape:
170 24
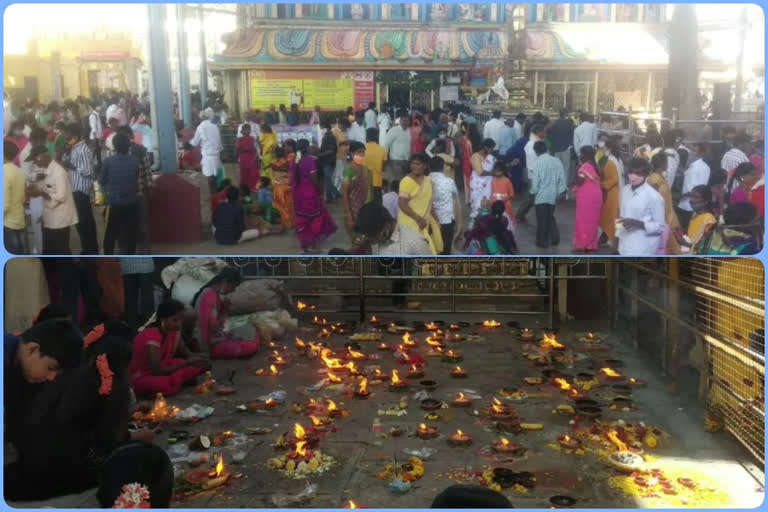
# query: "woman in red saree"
212 315
161 362
248 158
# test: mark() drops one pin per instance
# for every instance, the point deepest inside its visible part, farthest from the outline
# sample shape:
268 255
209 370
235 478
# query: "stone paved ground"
492 364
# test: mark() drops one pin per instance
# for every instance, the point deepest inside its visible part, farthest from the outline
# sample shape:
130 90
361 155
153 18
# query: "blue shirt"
517 151
507 138
229 221
119 176
264 196
547 179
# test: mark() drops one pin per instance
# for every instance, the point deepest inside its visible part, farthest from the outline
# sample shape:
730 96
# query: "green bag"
492 245
221 175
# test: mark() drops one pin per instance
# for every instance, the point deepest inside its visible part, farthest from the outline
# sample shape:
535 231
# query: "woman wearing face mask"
641 213
416 203
702 220
313 223
212 317
357 187
659 163
589 201
442 135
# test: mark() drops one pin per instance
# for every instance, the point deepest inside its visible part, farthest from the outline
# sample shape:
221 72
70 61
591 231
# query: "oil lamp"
217 477
362 390
503 445
333 410
527 334
452 356
491 324
550 343
461 400
611 374
383 346
459 373
396 384
460 438
407 341
416 372
568 442
425 431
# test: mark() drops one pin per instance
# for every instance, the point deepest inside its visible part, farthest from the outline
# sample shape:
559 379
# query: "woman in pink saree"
313 222
589 202
161 362
212 315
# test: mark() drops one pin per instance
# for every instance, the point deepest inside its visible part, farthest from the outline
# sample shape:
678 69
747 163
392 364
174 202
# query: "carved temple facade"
583 56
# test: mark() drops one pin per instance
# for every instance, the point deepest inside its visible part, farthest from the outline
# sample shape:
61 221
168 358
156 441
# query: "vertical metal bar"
673 331
551 318
203 60
360 261
597 92
185 109
740 60
633 307
160 89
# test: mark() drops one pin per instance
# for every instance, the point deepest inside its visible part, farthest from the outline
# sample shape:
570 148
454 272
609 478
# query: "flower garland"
95 335
106 374
134 495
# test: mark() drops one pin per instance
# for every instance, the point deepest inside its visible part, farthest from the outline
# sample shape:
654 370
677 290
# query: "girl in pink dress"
248 158
589 202
161 362
211 317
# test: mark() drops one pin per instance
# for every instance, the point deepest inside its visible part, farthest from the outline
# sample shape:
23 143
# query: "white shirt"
673 162
385 123
584 135
431 147
530 154
59 210
518 129
492 130
452 130
644 204
94 121
731 160
207 136
370 119
398 143
356 132
444 190
697 174
28 168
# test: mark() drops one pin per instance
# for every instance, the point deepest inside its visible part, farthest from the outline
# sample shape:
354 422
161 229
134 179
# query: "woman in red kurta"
248 158
161 362
211 318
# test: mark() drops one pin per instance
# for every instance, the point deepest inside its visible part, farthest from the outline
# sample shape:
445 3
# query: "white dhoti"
210 164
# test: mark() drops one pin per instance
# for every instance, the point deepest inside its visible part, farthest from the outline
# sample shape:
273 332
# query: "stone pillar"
160 89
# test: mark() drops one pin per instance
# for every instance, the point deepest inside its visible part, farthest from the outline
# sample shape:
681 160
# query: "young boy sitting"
229 221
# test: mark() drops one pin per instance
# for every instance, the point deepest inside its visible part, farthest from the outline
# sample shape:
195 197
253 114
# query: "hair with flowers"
106 373
134 495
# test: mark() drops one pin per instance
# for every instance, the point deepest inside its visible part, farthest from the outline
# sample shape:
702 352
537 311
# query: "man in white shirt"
371 117
208 137
356 131
673 158
641 213
492 128
738 154
585 134
519 122
698 173
385 123
537 134
398 143
445 202
94 121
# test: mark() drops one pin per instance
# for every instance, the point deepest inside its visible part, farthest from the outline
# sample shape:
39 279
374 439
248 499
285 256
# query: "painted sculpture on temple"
438 12
357 11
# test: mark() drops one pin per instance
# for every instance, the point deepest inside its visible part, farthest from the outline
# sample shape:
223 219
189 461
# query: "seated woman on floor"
161 361
74 424
490 234
212 315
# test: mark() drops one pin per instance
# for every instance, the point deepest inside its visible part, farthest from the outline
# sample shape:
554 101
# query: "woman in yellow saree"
268 143
415 203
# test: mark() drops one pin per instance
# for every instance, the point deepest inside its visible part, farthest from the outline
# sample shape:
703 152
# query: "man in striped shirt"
79 161
738 154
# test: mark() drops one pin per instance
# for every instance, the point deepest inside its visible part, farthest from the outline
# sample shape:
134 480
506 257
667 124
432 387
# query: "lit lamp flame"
431 326
460 433
433 343
273 369
270 401
219 466
315 420
504 441
300 343
334 378
614 438
355 354
378 372
491 323
414 368
422 427
299 431
458 369
407 337
301 306
363 386
351 504
331 405
352 368
497 406
300 448
395 377
373 319
563 384
609 372
567 438
325 333
550 342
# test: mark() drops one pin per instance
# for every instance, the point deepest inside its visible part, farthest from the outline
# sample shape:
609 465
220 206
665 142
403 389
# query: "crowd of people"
438 174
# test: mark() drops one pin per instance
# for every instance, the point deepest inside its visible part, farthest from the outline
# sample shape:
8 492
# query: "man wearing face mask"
641 214
696 174
442 134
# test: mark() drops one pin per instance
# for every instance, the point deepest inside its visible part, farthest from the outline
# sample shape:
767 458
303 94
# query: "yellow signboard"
329 94
266 92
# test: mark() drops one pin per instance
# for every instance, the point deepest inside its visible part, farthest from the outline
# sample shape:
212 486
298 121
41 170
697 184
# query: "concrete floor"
492 364
287 243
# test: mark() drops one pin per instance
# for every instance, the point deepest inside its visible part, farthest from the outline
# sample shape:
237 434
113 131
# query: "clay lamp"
425 431
276 359
527 334
397 385
407 341
333 410
636 383
319 424
431 404
491 324
591 337
561 501
454 327
459 438
416 372
311 406
354 354
610 374
352 368
503 445
300 306
459 373
511 425
374 321
362 391
301 453
315 320
217 477
500 411
434 342
431 326
383 346
324 333
569 443
461 400
452 356
379 375
667 488
352 504
550 342
273 371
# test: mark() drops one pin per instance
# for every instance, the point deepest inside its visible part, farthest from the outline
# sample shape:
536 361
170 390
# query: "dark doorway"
30 88
399 96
